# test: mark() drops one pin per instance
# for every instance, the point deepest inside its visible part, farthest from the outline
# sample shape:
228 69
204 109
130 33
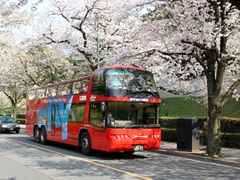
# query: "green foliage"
232 109
170 122
21 121
169 134
230 125
231 140
182 107
230 128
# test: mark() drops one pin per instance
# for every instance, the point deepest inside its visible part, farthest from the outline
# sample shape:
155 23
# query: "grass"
182 107
232 109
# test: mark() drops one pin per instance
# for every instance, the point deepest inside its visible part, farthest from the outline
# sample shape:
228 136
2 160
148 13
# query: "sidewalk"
231 156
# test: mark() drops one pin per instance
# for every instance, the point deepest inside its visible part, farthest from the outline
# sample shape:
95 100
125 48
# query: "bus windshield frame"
124 82
130 82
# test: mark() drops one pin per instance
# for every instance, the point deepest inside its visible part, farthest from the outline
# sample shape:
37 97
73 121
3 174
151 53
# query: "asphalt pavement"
23 159
230 156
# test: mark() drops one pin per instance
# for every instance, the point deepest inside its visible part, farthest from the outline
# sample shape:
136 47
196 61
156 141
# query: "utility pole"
97 31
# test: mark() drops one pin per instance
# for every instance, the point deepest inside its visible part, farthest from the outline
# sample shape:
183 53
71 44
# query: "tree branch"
230 91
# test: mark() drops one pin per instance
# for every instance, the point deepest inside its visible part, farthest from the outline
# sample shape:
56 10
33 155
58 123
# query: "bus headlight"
156 136
119 136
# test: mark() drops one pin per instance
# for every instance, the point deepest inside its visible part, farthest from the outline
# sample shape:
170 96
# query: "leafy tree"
48 64
10 84
85 24
201 44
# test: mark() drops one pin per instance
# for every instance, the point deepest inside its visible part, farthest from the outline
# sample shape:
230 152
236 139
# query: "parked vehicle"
8 124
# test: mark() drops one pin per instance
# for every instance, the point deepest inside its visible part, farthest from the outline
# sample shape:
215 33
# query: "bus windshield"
131 83
125 114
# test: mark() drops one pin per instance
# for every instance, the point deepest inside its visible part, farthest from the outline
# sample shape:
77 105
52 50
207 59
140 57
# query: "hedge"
168 122
231 140
230 128
228 125
21 121
169 134
21 116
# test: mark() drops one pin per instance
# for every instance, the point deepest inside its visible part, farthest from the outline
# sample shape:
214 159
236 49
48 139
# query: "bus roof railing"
60 83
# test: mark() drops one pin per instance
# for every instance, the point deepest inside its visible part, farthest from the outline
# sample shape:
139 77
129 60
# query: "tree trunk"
214 106
14 111
214 138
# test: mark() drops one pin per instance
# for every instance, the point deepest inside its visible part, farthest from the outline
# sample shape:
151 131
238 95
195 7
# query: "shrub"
231 140
170 122
230 125
169 135
230 128
21 121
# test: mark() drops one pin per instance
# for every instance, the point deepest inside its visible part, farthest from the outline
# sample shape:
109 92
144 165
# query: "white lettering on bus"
92 98
139 99
83 98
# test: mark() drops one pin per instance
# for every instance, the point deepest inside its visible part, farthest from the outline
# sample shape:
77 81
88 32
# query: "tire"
43 136
85 143
37 134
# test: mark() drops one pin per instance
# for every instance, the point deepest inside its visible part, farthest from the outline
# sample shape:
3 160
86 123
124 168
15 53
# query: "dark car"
8 124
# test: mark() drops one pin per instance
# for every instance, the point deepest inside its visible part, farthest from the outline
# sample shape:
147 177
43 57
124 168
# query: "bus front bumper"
133 144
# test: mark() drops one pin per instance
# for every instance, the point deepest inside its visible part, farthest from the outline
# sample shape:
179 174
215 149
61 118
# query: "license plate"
138 148
11 129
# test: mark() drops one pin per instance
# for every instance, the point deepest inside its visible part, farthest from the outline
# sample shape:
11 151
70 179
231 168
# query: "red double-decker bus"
114 109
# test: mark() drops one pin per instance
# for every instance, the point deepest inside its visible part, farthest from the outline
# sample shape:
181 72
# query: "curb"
200 157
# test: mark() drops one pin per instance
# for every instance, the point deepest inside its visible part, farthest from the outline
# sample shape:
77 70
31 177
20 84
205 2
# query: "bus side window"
64 89
31 95
77 87
84 86
61 90
51 91
98 86
96 114
77 113
40 93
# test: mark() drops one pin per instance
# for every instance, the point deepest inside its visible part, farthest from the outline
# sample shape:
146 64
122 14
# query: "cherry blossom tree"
96 29
49 64
199 42
13 82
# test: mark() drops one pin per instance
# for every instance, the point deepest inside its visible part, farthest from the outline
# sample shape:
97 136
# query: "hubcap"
85 143
37 133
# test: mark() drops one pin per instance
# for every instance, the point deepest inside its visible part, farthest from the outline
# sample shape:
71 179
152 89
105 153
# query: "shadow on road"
75 150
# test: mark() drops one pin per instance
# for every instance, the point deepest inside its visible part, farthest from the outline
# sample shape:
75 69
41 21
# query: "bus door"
97 121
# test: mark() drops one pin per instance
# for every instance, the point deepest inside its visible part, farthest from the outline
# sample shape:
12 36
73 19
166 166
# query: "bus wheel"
85 143
37 134
43 135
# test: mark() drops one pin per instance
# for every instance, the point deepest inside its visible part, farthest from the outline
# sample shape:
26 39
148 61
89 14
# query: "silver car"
8 124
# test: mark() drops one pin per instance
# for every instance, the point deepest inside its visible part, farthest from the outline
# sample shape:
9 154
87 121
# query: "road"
23 159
